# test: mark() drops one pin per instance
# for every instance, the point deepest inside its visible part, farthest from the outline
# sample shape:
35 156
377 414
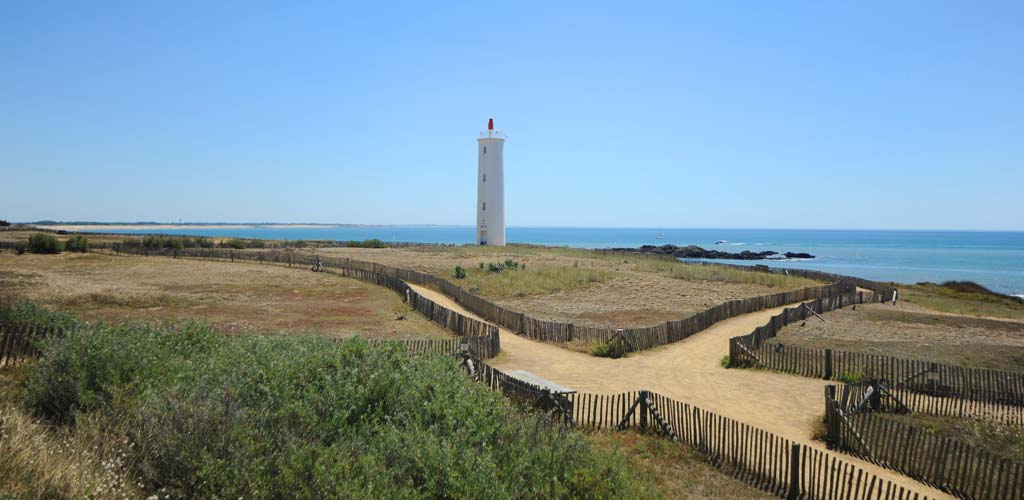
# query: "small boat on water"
661 236
721 242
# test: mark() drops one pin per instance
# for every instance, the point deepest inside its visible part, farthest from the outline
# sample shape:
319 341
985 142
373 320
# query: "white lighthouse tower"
490 192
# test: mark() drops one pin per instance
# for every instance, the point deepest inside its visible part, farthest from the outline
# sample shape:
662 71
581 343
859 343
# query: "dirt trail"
689 371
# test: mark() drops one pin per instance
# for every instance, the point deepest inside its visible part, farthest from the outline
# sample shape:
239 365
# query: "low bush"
208 416
21 247
600 349
501 266
459 273
44 243
851 378
724 361
77 243
159 241
371 243
20 312
4 223
197 242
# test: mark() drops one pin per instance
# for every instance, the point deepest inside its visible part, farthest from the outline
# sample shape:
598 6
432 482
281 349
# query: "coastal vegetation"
535 280
371 243
964 298
696 272
44 243
174 410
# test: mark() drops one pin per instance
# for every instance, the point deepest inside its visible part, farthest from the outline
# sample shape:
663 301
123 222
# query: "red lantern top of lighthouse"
491 133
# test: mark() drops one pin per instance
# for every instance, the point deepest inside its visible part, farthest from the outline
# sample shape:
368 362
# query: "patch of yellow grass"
534 280
695 272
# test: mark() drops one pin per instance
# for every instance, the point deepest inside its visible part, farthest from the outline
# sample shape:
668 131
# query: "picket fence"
949 464
764 460
628 340
936 388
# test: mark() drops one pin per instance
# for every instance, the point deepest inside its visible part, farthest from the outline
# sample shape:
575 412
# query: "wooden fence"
950 390
632 339
951 465
456 323
764 460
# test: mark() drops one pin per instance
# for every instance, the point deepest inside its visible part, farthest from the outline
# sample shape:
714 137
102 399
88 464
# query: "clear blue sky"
714 114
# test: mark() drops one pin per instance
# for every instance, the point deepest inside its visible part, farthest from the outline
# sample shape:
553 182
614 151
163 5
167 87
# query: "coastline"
135 227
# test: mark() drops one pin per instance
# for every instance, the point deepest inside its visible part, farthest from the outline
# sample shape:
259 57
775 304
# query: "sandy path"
689 371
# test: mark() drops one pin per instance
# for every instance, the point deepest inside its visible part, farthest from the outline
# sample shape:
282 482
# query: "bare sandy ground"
690 371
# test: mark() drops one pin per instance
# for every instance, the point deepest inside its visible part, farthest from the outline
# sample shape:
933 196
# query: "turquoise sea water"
994 259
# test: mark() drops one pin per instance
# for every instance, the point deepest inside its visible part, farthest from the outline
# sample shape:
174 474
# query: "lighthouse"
490 192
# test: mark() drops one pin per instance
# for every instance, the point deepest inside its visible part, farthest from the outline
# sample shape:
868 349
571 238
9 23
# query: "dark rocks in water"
798 255
696 252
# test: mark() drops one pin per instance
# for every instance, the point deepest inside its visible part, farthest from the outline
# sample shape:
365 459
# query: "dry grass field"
908 331
583 286
231 296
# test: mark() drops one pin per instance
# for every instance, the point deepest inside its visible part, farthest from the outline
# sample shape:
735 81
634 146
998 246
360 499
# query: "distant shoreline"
133 227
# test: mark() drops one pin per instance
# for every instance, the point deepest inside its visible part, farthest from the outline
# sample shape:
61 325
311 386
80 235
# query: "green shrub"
459 273
197 242
372 243
24 313
724 361
44 243
77 243
236 243
21 247
280 417
600 349
851 378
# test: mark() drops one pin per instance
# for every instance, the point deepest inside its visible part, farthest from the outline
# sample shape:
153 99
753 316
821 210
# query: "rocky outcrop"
696 252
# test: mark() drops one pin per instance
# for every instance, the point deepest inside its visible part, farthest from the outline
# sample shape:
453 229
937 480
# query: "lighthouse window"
485 177
485 205
485 149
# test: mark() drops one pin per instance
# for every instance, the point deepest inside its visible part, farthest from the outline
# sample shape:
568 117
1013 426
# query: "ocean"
994 259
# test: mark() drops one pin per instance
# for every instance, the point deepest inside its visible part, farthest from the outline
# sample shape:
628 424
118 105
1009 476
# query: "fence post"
831 425
932 379
828 364
644 410
794 472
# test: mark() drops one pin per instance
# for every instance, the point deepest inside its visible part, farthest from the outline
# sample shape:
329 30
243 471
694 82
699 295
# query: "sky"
873 115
